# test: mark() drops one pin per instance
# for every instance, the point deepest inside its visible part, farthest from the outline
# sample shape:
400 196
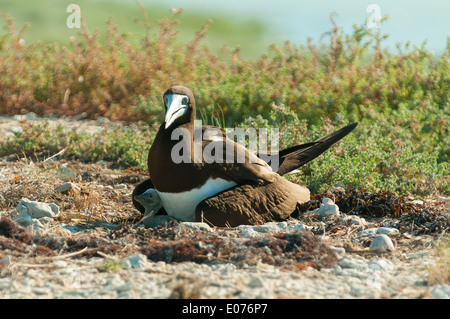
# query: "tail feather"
297 156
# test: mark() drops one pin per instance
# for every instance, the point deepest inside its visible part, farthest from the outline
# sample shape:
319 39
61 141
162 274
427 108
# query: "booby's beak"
177 105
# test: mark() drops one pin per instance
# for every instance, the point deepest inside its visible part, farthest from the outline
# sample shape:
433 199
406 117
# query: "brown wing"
297 158
232 161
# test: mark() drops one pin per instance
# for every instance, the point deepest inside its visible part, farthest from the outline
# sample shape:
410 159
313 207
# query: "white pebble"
327 208
387 230
382 243
196 227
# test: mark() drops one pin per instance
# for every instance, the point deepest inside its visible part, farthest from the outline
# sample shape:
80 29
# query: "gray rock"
441 292
23 219
382 243
67 187
6 260
54 208
36 209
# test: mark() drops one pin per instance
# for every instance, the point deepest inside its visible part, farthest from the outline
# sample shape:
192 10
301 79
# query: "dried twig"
57 154
66 255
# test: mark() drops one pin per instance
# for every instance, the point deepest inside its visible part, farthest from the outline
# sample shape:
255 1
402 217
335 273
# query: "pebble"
135 261
247 231
387 231
441 292
36 209
32 213
372 232
195 227
5 260
327 208
382 243
66 187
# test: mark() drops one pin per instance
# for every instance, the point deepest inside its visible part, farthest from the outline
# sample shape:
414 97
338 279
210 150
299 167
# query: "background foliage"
401 99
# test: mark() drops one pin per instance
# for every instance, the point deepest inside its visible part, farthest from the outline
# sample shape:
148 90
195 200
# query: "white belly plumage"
182 205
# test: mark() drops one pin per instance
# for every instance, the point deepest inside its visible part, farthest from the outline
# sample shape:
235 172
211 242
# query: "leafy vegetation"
401 100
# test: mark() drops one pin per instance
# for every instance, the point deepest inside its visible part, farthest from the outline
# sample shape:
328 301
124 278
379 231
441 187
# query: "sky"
296 20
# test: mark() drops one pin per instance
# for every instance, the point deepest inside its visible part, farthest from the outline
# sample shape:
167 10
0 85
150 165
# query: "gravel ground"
402 276
415 267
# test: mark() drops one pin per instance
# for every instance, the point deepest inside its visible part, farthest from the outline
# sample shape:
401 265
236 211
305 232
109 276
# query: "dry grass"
440 272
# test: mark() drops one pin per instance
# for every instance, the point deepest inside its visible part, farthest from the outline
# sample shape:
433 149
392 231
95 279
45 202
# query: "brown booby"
222 192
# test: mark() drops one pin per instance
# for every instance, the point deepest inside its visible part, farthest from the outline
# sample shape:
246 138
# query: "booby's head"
179 104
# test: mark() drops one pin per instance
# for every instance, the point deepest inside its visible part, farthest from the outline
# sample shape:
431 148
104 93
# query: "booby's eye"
166 100
185 101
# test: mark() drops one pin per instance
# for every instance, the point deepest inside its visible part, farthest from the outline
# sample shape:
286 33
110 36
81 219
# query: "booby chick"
152 205
221 192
